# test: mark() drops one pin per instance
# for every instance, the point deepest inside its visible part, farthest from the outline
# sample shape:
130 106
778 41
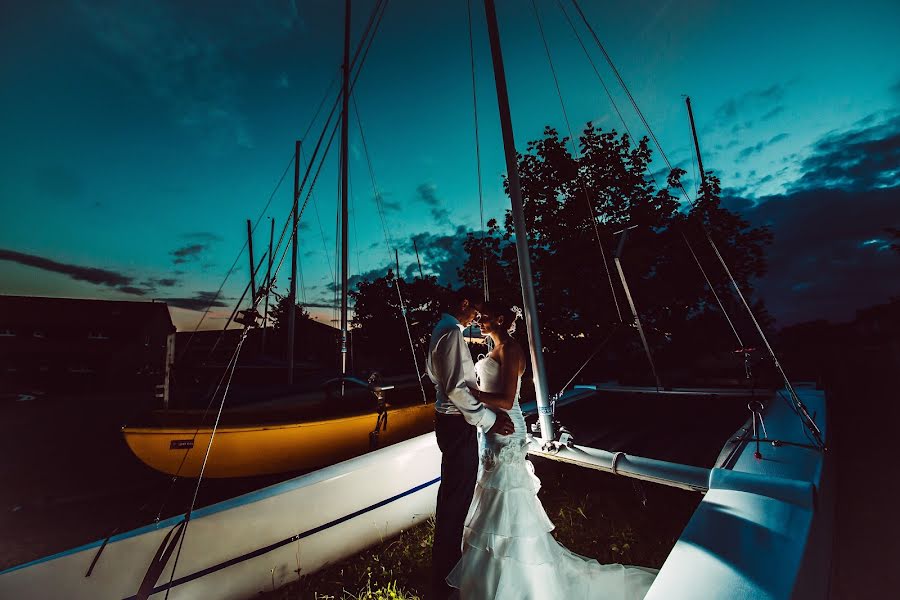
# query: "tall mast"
515 197
687 99
268 288
345 96
293 295
252 264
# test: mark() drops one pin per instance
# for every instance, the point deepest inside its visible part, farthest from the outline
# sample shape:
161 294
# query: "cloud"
830 253
94 275
442 255
200 241
757 148
187 253
820 265
860 159
200 301
751 101
426 193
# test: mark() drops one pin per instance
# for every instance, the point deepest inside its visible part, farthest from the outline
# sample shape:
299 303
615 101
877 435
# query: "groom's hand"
503 425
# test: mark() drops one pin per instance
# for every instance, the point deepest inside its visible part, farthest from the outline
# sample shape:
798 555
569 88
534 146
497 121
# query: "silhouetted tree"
573 206
279 316
379 335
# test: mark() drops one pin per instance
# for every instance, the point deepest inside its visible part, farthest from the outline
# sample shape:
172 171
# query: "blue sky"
139 137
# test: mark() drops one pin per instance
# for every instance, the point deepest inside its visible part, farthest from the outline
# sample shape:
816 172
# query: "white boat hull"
258 541
762 531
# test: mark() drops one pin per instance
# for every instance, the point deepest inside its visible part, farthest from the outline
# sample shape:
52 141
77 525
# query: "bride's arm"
511 365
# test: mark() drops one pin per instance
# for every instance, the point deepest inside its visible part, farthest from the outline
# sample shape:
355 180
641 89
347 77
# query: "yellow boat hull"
244 451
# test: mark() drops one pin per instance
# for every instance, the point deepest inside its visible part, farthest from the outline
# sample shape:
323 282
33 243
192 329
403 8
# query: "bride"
508 550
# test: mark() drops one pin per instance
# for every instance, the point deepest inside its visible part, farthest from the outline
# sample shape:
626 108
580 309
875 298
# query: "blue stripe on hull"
293 538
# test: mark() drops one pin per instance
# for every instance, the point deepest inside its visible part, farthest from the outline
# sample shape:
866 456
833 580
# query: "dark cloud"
93 275
861 159
200 241
757 148
392 205
772 113
441 255
152 282
752 101
135 291
830 254
426 193
186 253
200 301
354 280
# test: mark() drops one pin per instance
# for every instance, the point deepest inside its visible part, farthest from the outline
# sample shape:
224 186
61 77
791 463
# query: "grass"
612 519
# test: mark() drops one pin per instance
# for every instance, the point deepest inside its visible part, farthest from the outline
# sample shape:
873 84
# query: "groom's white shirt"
450 367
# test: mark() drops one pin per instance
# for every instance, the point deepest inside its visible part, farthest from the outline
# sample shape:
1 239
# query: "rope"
388 243
484 269
187 516
262 213
576 154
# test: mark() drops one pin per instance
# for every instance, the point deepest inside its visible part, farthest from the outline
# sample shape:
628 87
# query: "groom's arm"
448 354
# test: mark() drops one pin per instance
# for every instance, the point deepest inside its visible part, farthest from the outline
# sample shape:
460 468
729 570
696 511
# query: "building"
68 343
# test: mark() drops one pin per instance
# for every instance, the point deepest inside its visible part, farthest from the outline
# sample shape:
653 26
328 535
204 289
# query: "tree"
279 315
380 336
574 209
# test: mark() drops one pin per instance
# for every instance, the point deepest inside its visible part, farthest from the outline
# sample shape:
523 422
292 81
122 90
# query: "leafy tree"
379 333
574 209
279 315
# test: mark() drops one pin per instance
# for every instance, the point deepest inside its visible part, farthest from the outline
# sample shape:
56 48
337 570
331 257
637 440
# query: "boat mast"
268 288
293 295
515 197
687 99
345 97
252 264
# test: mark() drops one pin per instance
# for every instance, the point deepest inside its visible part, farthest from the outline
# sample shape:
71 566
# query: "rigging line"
630 97
389 243
315 206
367 44
659 147
193 439
355 222
576 154
265 208
713 289
412 346
236 259
377 196
253 303
484 269
187 516
596 71
806 418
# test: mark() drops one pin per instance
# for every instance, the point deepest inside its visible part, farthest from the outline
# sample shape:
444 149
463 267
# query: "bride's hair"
509 313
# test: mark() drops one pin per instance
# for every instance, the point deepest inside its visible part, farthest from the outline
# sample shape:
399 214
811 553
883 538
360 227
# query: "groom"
457 413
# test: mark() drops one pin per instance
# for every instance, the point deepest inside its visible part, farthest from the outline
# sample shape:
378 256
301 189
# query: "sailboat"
294 428
761 531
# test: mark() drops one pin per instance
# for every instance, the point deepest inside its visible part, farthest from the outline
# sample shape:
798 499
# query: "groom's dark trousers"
459 470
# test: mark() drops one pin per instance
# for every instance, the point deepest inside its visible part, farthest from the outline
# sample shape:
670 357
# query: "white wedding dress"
508 550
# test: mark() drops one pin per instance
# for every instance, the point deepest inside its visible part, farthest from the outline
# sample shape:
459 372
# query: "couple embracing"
492 537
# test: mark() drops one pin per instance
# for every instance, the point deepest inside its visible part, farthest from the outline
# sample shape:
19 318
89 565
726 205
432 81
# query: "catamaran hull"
255 542
761 532
274 448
